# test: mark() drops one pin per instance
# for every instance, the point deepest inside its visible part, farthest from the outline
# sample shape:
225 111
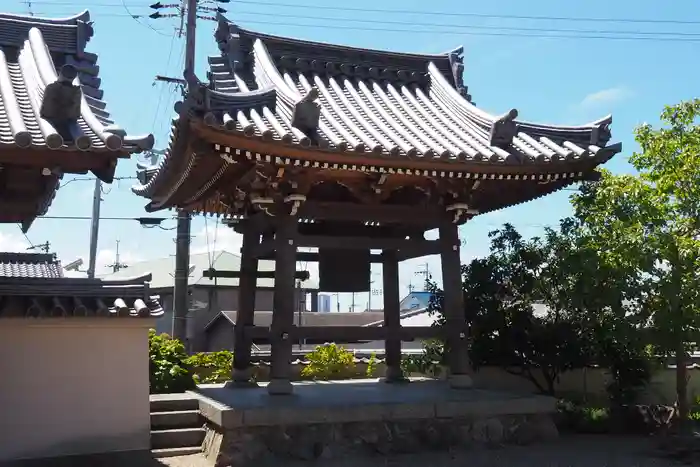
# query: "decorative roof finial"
457 65
61 102
504 130
307 113
229 40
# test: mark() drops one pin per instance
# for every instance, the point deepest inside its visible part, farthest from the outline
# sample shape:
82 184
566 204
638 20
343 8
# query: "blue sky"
552 80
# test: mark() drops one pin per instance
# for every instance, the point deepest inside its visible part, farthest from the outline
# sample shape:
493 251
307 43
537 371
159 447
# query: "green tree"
649 223
518 302
539 307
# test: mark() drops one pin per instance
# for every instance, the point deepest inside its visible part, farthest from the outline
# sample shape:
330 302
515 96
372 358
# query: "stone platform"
247 426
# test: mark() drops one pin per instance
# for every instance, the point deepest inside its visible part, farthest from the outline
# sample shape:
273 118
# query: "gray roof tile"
36 297
32 51
371 102
30 265
264 318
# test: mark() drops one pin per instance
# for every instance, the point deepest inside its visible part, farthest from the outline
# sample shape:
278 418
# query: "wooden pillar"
392 316
242 369
453 308
283 306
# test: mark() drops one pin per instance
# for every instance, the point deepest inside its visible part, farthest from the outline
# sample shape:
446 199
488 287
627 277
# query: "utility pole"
45 247
425 272
29 7
184 220
117 265
182 269
94 227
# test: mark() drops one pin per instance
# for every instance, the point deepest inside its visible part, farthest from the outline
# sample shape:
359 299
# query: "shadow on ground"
101 460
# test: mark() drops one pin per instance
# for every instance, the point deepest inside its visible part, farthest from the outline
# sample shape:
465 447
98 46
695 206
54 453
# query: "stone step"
174 452
176 419
177 438
173 402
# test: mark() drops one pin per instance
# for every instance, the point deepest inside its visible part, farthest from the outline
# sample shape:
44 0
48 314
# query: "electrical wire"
162 89
321 22
474 26
137 17
453 14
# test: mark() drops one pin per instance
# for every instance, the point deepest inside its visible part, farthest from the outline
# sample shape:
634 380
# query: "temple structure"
53 119
305 144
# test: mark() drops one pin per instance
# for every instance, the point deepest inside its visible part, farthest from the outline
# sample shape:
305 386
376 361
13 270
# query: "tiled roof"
33 53
77 297
162 270
30 265
264 318
369 102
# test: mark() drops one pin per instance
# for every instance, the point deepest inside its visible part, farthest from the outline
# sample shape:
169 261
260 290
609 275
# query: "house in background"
208 296
219 333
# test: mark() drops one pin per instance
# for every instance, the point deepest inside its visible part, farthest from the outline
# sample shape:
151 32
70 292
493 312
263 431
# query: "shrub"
630 367
212 367
371 366
329 361
170 371
578 418
428 363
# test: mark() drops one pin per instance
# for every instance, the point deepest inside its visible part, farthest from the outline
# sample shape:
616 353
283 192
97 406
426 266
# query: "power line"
416 12
146 220
541 33
92 179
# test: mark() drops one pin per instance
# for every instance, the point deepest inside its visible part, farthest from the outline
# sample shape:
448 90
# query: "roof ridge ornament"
228 38
61 106
504 129
457 65
306 115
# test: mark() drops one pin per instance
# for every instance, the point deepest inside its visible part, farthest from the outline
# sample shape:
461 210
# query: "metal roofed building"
53 117
207 296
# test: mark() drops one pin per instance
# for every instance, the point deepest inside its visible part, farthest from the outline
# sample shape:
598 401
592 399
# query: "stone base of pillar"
460 381
241 379
394 375
280 387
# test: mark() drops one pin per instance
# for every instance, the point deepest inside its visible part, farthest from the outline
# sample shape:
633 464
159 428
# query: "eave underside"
221 180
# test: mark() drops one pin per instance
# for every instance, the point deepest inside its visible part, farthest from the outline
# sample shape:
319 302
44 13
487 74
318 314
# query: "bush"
371 366
329 361
629 363
212 367
427 363
576 418
170 371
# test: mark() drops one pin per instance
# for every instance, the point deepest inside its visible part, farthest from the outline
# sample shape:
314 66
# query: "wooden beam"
312 257
214 273
383 214
427 247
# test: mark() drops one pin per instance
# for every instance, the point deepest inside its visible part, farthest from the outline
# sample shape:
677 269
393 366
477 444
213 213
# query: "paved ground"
575 451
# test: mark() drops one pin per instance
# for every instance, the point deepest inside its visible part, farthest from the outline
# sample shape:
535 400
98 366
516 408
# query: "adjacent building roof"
386 107
264 318
162 271
37 297
32 53
53 116
30 265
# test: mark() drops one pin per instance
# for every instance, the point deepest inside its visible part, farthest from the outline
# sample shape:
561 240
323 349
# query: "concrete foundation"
248 426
